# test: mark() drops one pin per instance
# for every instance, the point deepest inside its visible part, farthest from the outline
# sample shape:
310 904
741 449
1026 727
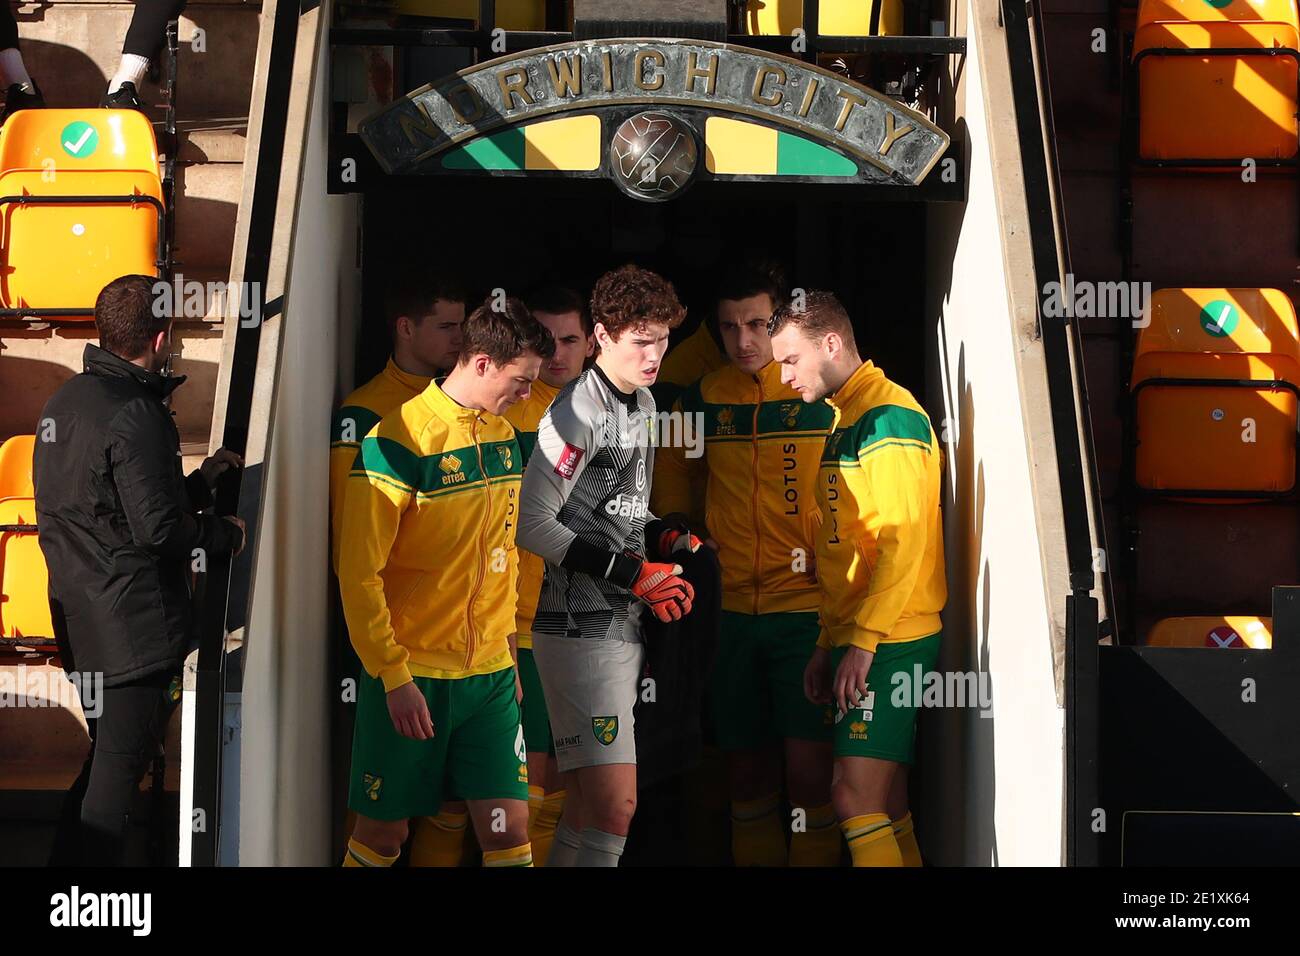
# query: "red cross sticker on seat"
1223 637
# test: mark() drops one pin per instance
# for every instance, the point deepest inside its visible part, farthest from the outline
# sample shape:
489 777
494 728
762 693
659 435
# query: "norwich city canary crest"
371 783
507 459
605 729
790 413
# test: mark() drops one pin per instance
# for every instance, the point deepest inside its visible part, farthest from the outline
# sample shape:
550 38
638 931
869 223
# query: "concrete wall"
992 784
285 816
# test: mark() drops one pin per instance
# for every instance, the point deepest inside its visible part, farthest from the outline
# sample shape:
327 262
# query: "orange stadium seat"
1235 632
81 203
1215 379
844 18
1227 105
24 581
16 466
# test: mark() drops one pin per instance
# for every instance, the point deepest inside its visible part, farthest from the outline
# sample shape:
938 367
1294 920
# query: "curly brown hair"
631 297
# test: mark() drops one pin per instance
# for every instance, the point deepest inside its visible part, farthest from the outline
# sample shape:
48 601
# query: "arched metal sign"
888 142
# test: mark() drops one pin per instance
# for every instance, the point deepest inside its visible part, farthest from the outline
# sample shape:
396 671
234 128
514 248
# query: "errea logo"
449 465
77 909
627 506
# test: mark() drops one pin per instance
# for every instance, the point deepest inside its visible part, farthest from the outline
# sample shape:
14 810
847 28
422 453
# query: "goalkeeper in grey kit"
584 508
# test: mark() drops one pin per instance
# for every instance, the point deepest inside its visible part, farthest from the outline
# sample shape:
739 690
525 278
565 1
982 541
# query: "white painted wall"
285 815
992 787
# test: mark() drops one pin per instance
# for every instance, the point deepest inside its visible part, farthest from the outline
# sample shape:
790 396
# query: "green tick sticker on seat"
1219 318
79 139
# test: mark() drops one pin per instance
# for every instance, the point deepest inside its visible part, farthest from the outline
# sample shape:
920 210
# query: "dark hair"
128 315
557 300
415 296
504 335
751 275
815 313
631 296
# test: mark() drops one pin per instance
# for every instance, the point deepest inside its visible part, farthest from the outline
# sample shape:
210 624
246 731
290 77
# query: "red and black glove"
672 535
661 587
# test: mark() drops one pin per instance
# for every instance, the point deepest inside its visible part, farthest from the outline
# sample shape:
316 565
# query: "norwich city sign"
888 142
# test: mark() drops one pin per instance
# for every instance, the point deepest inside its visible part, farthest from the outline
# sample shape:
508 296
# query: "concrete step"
207 205
37 361
72 49
43 739
215 140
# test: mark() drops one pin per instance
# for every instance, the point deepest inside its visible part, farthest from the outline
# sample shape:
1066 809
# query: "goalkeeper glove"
661 587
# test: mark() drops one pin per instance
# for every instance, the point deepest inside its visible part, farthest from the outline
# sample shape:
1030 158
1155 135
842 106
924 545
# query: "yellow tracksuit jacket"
690 360
525 416
359 413
880 545
758 475
427 564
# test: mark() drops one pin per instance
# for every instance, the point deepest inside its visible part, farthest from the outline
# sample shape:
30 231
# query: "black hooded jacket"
118 522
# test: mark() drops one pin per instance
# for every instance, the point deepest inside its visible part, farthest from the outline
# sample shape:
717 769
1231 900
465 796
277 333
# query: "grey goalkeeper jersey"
589 478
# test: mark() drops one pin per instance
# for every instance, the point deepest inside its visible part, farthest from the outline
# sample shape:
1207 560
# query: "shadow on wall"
27 384
205 226
958 743
67 77
956 787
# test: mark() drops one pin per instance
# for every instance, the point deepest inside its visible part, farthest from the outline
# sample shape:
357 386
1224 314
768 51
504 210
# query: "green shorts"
477 750
757 687
885 728
537 722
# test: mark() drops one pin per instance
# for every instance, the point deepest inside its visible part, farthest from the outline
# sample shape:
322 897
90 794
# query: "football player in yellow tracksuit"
690 360
425 322
564 313
758 471
880 565
428 572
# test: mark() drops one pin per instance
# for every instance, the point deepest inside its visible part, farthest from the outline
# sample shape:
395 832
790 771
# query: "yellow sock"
541 827
536 795
871 840
905 834
361 855
819 844
438 841
514 856
756 837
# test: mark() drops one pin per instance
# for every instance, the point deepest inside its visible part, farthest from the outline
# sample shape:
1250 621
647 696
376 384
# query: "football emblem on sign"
653 156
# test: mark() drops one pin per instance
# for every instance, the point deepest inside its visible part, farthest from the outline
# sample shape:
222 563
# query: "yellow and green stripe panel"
573 144
737 148
569 144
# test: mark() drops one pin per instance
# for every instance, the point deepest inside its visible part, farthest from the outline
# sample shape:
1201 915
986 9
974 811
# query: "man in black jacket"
121 530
